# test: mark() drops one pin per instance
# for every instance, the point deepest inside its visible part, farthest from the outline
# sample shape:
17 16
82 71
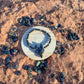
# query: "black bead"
18 72
52 75
8 59
7 65
26 67
15 66
59 25
35 69
62 50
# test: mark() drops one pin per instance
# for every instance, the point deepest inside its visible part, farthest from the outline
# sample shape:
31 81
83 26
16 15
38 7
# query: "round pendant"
39 50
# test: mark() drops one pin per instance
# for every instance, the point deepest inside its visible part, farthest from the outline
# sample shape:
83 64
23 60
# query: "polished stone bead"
55 27
61 30
15 66
15 50
8 52
72 34
62 50
34 20
14 29
11 33
22 22
52 75
58 43
7 64
3 61
11 52
31 23
38 63
45 63
52 22
77 38
29 69
70 37
50 27
24 18
39 71
8 59
15 34
30 75
70 31
43 17
4 51
59 50
42 61
62 75
18 72
56 52
2 46
31 20
26 67
61 79
41 65
11 41
68 46
35 69
26 24
15 39
63 45
59 25
27 17
42 23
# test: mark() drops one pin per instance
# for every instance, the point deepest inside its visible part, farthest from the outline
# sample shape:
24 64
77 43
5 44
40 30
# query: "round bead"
26 67
45 63
8 59
14 29
38 63
18 72
29 69
7 65
52 75
35 69
59 25
62 50
62 75
61 79
15 66
30 75
58 43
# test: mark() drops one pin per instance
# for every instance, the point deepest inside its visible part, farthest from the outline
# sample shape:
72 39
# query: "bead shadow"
20 34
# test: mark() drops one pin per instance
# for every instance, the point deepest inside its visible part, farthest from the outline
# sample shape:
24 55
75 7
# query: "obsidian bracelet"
39 50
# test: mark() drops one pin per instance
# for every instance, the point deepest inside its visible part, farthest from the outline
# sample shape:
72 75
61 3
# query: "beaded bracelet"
39 50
